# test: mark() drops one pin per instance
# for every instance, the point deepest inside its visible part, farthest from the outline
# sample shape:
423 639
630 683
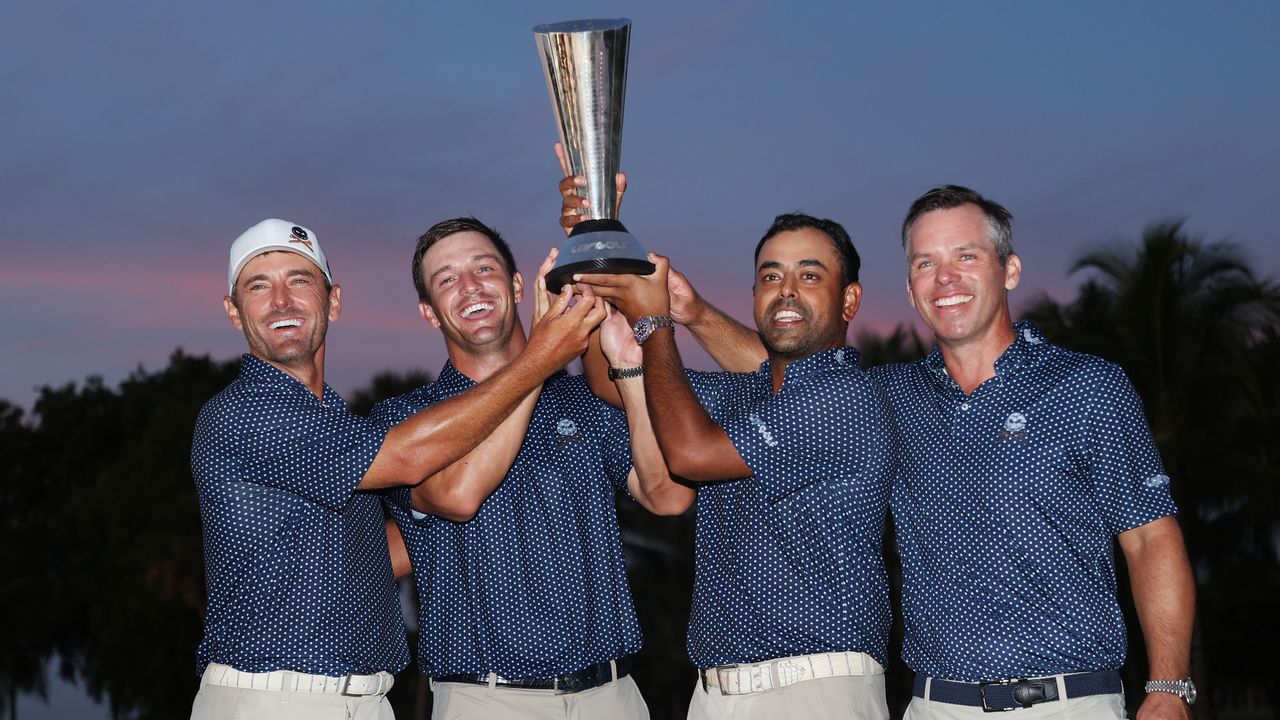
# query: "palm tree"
1191 324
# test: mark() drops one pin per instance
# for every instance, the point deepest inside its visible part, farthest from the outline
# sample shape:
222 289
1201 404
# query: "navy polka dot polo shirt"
296 560
535 584
1005 507
789 560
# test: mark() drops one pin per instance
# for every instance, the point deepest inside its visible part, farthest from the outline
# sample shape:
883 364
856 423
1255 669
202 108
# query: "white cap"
271 235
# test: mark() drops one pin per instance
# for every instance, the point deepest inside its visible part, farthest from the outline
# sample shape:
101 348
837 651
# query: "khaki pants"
618 700
1090 707
852 696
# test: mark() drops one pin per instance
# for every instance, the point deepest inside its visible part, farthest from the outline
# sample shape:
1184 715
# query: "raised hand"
562 333
687 306
573 207
618 342
541 298
634 295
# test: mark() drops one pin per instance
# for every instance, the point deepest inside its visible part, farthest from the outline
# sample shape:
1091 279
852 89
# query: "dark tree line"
101 561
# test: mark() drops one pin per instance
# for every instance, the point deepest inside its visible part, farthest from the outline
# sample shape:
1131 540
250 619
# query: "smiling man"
1022 461
523 601
793 463
303 619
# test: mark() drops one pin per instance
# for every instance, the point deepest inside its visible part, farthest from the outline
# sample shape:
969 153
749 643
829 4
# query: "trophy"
585 63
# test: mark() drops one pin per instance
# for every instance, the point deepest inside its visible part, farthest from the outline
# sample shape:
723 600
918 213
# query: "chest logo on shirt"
1015 428
567 431
763 429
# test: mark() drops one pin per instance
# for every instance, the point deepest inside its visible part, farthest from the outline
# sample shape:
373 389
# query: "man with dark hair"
850 263
303 619
792 464
524 605
1022 461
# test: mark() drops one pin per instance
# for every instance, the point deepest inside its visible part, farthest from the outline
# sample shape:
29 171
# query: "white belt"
227 676
770 674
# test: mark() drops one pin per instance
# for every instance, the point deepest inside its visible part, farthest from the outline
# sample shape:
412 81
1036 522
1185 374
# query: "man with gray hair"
303 617
1022 461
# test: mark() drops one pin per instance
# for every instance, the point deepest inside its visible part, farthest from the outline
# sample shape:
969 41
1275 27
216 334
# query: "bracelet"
624 373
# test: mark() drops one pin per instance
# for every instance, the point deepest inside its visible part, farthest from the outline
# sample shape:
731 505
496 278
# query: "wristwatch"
645 326
1183 688
624 373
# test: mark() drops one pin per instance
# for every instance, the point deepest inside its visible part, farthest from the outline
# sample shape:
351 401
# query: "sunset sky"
140 138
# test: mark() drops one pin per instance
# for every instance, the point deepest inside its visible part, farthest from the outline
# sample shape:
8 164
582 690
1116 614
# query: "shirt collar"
820 361
253 367
453 380
1027 349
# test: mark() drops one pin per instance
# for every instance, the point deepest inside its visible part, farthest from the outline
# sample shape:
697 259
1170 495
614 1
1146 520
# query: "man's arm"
439 435
456 492
1164 594
649 480
695 447
734 346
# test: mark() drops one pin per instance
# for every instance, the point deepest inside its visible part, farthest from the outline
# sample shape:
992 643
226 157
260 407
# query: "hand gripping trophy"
585 62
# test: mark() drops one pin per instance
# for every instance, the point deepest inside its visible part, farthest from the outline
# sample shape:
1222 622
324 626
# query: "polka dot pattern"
535 584
1005 507
296 562
789 561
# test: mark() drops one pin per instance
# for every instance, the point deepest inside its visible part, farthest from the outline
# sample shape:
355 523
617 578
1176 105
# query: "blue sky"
139 138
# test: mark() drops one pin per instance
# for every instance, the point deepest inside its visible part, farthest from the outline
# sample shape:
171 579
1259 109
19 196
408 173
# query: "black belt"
584 679
1000 695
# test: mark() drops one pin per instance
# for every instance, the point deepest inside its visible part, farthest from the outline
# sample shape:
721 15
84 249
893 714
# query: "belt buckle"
719 677
344 686
1026 693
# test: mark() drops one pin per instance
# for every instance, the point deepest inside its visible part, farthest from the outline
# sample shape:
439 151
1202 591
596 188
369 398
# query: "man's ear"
852 300
1012 271
517 284
335 302
233 313
429 313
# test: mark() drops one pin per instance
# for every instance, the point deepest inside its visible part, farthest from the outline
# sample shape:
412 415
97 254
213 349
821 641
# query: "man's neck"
309 373
778 363
480 365
974 362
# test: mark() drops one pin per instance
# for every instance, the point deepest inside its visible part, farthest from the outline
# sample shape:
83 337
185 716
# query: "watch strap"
645 326
624 373
1183 688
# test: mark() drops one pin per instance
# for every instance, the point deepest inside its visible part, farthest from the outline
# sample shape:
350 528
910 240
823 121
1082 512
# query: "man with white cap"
303 617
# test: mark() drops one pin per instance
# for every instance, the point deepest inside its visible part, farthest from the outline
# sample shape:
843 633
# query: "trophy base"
598 246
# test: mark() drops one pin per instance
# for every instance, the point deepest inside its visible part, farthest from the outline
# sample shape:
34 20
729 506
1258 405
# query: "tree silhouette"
1195 329
22 564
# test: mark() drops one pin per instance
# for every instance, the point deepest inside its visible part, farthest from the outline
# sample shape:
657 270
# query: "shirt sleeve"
319 453
391 411
831 429
1128 477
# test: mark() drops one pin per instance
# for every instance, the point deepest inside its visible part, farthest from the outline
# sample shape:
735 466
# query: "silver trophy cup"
585 63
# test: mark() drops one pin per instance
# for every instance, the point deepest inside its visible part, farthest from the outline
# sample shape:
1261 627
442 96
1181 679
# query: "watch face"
1189 692
641 331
